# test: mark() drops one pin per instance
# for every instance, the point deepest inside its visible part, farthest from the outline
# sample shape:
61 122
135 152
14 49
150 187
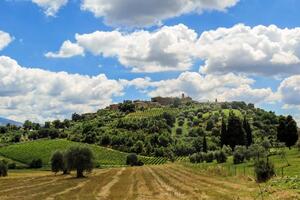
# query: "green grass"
153 112
43 149
247 168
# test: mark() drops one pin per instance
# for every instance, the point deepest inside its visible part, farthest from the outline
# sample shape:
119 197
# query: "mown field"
43 149
167 182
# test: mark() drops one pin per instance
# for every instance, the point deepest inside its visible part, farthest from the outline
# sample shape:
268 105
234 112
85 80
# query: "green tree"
79 159
204 144
57 162
3 168
291 132
247 128
223 133
235 132
138 147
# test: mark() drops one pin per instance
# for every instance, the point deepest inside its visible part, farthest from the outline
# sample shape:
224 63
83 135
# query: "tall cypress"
223 133
235 132
247 128
291 132
204 144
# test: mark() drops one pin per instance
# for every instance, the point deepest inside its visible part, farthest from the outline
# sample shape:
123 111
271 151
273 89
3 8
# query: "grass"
247 168
43 149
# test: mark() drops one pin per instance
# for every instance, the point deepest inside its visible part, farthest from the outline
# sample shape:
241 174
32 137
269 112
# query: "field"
168 182
43 149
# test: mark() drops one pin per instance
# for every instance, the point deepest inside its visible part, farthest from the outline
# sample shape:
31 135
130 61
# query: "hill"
43 149
166 127
4 121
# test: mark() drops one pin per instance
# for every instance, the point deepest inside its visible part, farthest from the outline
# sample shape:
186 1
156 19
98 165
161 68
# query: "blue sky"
34 33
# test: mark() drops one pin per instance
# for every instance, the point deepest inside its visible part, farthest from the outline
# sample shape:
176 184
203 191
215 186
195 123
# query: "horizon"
59 57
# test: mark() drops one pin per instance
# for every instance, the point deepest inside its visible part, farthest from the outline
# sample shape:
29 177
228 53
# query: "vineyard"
43 149
154 112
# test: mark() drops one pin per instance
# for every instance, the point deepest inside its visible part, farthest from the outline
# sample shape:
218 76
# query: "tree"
127 107
133 160
79 159
291 132
287 131
223 133
138 147
178 131
247 128
27 125
204 144
36 163
57 162
235 132
3 168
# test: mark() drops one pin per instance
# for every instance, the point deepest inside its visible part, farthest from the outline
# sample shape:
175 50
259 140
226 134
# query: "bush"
3 168
264 170
179 131
180 122
36 163
221 157
238 158
197 158
132 160
12 165
209 157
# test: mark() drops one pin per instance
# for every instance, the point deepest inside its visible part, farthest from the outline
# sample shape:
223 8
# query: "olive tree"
79 159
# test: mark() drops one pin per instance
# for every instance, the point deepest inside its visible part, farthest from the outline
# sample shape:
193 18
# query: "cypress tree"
291 132
235 132
204 144
247 128
223 133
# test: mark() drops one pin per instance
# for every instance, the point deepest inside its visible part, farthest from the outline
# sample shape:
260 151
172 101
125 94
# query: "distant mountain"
4 121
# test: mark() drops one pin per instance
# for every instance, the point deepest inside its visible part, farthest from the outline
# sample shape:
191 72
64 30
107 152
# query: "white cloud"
50 7
35 94
262 50
140 13
5 39
67 50
289 91
227 87
166 49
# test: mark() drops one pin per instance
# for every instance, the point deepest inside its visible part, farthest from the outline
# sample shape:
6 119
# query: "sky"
58 57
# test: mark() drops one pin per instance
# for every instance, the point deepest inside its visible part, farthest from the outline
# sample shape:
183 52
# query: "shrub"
3 168
36 163
79 159
238 158
221 157
264 170
209 157
227 150
12 165
179 131
132 160
180 122
197 158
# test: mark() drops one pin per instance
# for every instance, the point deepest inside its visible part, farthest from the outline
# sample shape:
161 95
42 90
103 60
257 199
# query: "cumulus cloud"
50 7
67 50
170 48
140 13
228 87
5 39
289 91
261 50
35 94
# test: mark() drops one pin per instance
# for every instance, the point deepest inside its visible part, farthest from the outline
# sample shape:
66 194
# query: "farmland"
43 149
166 182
